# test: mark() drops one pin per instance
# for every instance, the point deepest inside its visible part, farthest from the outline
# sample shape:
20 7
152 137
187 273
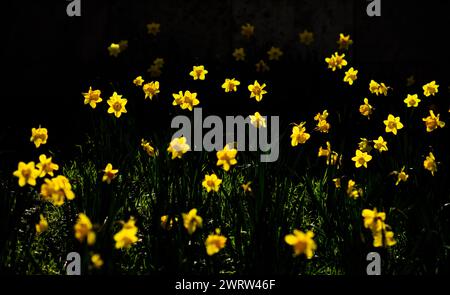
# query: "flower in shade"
154 70
410 81
247 30
299 134
42 226
116 105
97 261
83 230
246 187
361 159
151 89
138 81
56 190
380 144
430 163
230 85
351 76
226 157
336 61
159 62
261 66
432 122
153 28
92 97
178 147
109 173
46 166
366 109
27 173
192 221
198 72
114 49
306 37
211 183
167 223
274 53
412 101
256 90
215 242
337 182
39 136
393 124
127 236
151 151
364 145
344 42
302 243
352 190
239 54
257 120
430 88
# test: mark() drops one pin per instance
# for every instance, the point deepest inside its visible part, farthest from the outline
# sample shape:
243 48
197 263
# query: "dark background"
48 58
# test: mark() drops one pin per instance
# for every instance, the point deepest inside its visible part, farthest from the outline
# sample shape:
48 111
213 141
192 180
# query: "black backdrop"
48 58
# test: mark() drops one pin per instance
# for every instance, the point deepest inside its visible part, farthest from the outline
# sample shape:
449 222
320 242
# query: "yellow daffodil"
230 85
92 97
336 61
380 144
247 30
27 173
373 219
39 136
198 72
148 148
352 190
83 230
153 28
323 126
344 42
306 37
321 116
226 157
116 105
239 54
302 243
366 109
299 135
151 89
178 147
215 242
430 163
412 101
138 81
46 166
189 100
97 261
393 124
337 182
325 152
274 53
257 120
42 226
361 159
378 88
56 190
351 76
262 67
430 88
127 236
432 122
256 90
114 49
109 173
211 183
364 145
192 221
246 187
401 176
